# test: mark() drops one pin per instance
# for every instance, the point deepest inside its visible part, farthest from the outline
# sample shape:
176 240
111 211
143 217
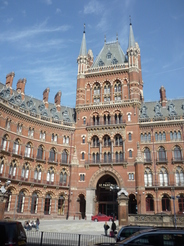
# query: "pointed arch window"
64 156
50 175
179 176
63 177
181 203
162 154
52 155
149 203
147 155
8 200
21 200
28 150
177 153
12 169
34 203
38 174
5 143
25 171
47 207
148 178
40 153
16 147
1 165
61 201
166 203
163 177
130 153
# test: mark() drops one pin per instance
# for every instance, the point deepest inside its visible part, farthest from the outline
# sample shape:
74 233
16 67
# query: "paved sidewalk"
73 226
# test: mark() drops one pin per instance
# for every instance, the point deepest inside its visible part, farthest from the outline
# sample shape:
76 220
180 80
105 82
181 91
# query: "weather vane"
130 19
84 27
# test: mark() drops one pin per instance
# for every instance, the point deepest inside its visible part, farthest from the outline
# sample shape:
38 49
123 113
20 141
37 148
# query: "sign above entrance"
105 186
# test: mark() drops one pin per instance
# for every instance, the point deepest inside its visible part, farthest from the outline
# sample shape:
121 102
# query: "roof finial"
130 19
117 36
105 39
84 28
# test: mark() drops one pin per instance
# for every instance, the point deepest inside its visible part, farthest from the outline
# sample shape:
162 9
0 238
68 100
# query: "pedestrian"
37 224
113 228
106 227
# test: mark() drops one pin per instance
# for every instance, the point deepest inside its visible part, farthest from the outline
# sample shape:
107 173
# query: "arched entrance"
82 205
106 196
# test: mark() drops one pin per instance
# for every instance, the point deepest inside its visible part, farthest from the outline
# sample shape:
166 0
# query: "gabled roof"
110 54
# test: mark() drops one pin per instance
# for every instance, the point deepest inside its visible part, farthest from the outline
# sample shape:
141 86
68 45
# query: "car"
128 230
101 217
155 237
12 233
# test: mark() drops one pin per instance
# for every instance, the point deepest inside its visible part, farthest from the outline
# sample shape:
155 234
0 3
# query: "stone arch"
104 171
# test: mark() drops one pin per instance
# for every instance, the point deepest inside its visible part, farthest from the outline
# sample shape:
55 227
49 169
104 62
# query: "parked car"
12 233
128 230
101 217
155 237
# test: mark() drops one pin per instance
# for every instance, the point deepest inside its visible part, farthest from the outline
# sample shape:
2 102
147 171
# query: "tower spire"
83 49
131 43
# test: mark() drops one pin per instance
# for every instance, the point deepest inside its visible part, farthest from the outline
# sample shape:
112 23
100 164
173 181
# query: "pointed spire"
83 50
131 43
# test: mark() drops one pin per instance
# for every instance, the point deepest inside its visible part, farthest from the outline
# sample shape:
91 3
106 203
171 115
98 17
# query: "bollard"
41 238
79 239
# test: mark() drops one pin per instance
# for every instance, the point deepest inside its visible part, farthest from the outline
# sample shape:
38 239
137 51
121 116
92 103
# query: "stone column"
122 209
90 195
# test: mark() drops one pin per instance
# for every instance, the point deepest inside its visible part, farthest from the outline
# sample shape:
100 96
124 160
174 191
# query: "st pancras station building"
72 162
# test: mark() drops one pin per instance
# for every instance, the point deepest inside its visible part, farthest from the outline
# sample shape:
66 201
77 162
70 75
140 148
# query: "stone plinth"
123 209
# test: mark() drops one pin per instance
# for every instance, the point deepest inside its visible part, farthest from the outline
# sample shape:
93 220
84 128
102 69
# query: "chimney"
163 99
57 100
46 97
9 79
21 86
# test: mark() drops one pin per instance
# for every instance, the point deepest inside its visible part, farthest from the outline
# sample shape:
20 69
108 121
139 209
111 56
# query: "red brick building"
69 161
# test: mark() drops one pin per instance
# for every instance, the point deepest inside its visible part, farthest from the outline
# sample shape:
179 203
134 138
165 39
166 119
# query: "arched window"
166 203
156 136
21 200
61 205
40 153
177 153
130 153
149 203
28 150
162 154
181 203
47 207
107 141
105 157
5 143
118 140
84 120
142 137
34 203
50 175
179 176
147 155
38 174
64 156
163 177
148 178
8 200
63 177
52 155
129 136
129 117
25 171
1 164
83 139
12 169
82 155
95 141
16 147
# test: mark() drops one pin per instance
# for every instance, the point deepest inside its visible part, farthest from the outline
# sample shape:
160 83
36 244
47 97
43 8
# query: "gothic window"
149 137
37 174
5 143
50 175
149 203
21 200
42 135
40 153
166 203
118 118
97 89
107 88
52 155
95 141
179 135
28 150
156 136
114 61
147 155
83 156
109 54
47 207
63 177
129 136
16 147
130 153
179 176
142 137
107 119
34 203
1 164
96 120
83 139
162 154
25 171
129 117
163 177
96 157
148 179
118 140
64 156
107 141
181 203
19 128
12 169
177 153
61 201
8 200
171 136
101 63
84 120
8 121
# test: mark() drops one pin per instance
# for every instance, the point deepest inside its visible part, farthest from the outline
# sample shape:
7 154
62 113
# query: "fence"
67 239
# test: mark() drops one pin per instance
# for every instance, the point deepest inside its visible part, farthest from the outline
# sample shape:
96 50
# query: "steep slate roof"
37 106
151 110
109 52
131 43
83 49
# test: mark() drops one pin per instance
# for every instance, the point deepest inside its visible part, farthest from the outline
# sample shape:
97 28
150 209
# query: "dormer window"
101 63
109 55
114 61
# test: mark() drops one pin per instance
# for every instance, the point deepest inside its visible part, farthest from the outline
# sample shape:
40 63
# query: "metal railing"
55 238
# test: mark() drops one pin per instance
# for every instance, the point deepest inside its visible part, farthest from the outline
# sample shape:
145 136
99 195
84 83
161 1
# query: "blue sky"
40 40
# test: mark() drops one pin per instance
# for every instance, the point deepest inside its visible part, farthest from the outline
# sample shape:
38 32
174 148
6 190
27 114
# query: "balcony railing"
17 153
40 159
147 161
52 161
108 161
106 123
177 160
161 161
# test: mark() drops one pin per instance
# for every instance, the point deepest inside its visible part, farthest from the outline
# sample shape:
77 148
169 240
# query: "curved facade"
72 161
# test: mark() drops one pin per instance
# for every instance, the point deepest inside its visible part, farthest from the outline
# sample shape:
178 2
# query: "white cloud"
93 7
48 2
58 11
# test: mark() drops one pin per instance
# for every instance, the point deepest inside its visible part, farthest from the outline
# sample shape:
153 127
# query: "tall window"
83 139
64 156
8 200
21 200
61 201
149 203
1 165
130 153
95 141
50 175
129 117
129 136
166 203
179 176
28 150
147 155
34 203
148 179
16 147
25 171
107 140
5 143
52 155
38 174
162 154
82 155
181 203
63 177
12 169
163 177
47 207
40 152
177 153
118 140
19 128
